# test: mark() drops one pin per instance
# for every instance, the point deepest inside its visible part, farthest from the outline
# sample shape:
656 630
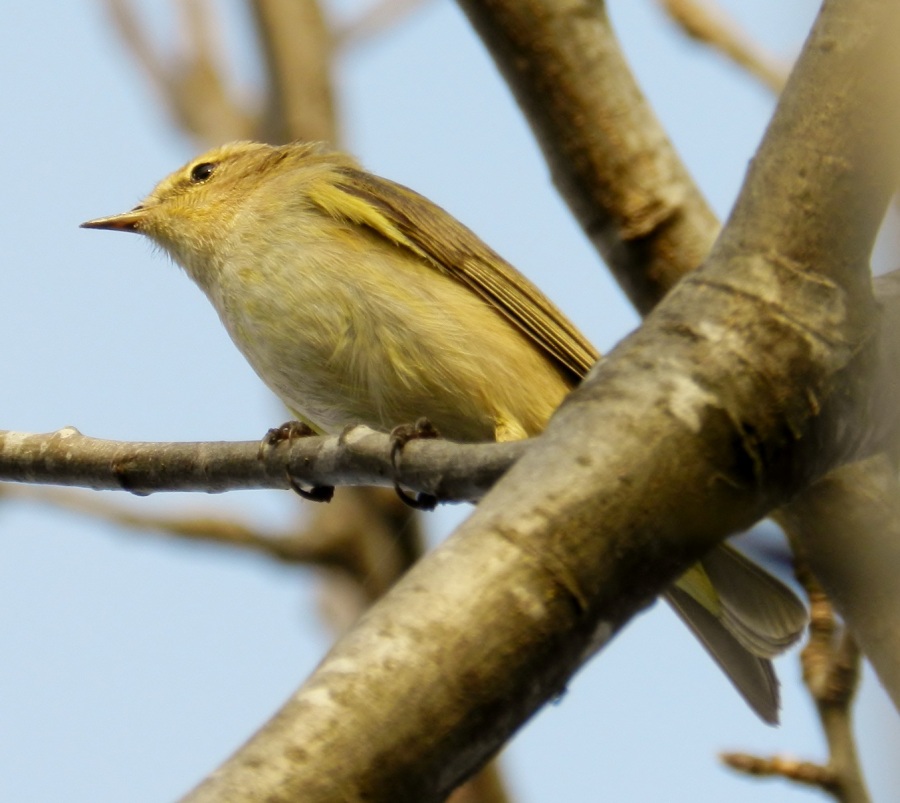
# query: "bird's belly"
385 349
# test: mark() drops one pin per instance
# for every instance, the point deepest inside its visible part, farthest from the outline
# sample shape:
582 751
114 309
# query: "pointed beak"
127 221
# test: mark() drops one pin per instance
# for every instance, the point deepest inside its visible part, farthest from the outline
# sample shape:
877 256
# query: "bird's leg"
288 432
400 436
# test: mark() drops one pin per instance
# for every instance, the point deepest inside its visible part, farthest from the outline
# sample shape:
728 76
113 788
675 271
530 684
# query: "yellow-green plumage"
359 301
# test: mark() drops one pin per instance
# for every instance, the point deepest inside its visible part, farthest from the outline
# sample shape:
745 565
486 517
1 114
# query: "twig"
329 541
802 772
831 664
190 82
710 26
831 668
287 546
373 21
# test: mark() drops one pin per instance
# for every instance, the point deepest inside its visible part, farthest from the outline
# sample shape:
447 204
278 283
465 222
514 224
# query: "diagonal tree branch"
190 82
786 297
609 157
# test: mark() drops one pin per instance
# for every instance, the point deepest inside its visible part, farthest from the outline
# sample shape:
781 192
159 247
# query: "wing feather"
411 221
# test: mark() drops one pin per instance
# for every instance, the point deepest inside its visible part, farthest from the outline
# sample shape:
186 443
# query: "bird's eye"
201 172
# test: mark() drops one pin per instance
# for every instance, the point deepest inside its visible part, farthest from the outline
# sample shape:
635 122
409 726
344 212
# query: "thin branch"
287 546
359 456
806 773
379 17
199 26
453 471
329 541
834 703
712 27
831 667
190 83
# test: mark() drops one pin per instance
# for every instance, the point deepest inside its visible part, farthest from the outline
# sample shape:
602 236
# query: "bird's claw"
400 436
317 493
289 431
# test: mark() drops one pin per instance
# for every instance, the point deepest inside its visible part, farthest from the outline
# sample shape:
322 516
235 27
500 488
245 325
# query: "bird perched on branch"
358 301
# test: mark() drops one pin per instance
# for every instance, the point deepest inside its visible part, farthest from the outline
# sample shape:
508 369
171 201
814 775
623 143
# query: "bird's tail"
744 617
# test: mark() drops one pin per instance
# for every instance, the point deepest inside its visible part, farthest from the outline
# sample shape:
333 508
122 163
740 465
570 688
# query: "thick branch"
611 159
664 445
608 154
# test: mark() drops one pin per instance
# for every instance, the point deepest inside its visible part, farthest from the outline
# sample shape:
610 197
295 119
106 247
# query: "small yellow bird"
358 301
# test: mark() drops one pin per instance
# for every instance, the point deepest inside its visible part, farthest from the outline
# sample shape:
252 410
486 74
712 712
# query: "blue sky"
133 665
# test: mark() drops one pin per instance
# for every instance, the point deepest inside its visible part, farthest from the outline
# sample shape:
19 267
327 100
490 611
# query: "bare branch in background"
831 668
806 773
189 81
379 17
330 541
298 55
709 25
378 538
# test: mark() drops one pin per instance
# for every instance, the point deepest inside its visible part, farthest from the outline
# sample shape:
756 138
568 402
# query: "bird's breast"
347 335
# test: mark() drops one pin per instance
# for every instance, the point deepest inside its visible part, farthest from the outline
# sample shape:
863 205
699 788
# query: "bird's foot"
289 432
400 436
